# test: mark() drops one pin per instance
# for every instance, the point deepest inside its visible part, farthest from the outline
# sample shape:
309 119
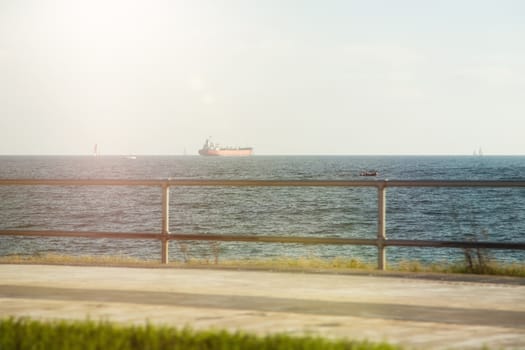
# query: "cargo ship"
213 149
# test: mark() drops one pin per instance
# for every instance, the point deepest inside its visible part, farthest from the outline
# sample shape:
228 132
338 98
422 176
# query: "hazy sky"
286 77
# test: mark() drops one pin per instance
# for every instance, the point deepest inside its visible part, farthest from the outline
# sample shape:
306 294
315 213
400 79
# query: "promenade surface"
421 313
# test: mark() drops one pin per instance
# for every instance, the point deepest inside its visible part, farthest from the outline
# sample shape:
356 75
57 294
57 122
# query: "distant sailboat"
478 153
95 150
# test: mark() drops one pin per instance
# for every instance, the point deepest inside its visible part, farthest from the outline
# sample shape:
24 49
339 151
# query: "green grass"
307 263
24 334
337 264
490 268
60 259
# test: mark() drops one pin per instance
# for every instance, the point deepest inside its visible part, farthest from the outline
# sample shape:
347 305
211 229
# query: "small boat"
478 153
96 151
368 173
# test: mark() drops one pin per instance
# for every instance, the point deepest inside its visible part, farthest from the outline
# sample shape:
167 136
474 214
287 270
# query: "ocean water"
412 213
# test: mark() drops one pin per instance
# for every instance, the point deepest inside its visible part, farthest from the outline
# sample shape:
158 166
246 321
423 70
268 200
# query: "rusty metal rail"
381 241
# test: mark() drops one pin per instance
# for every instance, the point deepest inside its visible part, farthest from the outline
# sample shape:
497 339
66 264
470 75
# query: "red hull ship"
213 149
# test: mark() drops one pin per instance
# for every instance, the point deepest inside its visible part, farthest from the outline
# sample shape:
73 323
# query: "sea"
492 214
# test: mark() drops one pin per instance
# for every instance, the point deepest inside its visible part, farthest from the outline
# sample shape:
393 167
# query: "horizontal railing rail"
265 183
381 241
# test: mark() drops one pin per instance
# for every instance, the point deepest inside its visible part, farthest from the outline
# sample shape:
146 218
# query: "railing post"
165 222
381 226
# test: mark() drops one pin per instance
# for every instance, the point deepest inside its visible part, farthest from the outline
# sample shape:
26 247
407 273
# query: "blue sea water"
494 214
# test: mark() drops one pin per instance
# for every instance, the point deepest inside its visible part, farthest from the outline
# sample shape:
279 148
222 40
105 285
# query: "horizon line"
261 155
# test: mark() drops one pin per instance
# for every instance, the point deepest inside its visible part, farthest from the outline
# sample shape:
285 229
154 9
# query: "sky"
334 77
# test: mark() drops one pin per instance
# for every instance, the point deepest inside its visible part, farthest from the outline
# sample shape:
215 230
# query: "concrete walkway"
418 313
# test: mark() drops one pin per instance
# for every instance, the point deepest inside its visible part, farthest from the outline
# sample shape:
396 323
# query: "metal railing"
381 241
